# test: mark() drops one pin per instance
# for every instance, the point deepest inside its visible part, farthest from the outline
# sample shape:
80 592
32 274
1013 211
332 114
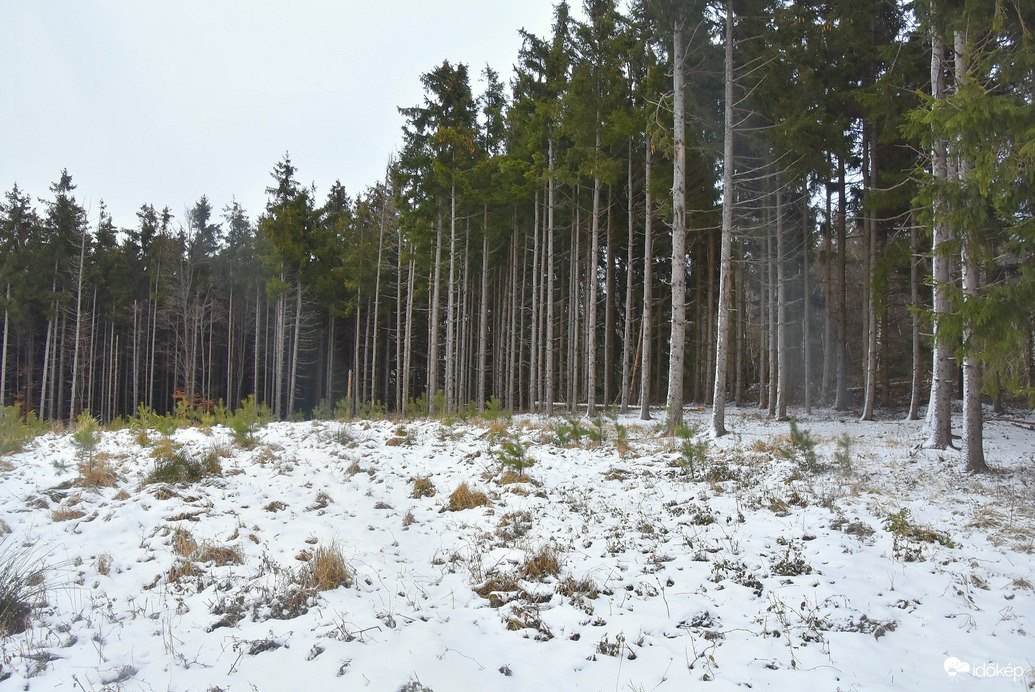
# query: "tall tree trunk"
483 313
591 321
294 348
408 340
677 336
938 422
548 345
436 317
828 319
914 296
841 394
648 278
806 330
627 320
609 302
870 288
377 302
973 447
781 311
72 400
726 244
3 357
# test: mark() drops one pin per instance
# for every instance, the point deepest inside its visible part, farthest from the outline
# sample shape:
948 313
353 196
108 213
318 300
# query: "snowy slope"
755 573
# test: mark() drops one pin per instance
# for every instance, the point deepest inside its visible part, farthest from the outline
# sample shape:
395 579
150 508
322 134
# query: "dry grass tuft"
275 506
220 555
326 570
616 474
98 472
122 495
183 543
512 476
67 514
464 498
182 568
541 564
422 487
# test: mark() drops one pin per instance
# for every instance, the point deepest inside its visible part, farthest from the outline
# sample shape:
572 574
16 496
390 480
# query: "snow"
766 576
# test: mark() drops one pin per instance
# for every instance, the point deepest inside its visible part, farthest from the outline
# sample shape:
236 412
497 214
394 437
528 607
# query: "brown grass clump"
616 474
541 564
275 506
98 472
464 498
512 476
182 568
67 514
325 570
422 487
104 564
219 555
183 543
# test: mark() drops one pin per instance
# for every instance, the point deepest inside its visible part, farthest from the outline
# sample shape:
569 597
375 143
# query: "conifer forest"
779 205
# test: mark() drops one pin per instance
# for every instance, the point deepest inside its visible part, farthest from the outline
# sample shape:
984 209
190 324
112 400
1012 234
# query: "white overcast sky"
161 102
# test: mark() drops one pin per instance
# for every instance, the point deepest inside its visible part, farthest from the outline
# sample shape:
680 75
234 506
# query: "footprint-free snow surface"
615 565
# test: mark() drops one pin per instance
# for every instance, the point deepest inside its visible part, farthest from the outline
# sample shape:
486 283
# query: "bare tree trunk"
870 229
828 321
450 384
436 317
937 425
841 394
648 299
773 321
609 302
3 358
781 311
677 336
72 400
377 300
483 312
591 321
914 295
548 346
627 319
806 336
408 341
294 348
973 447
726 243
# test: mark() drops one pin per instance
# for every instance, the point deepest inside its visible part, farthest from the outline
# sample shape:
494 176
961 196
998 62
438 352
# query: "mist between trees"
767 204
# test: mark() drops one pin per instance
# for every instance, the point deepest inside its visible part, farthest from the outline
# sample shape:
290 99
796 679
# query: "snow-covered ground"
613 569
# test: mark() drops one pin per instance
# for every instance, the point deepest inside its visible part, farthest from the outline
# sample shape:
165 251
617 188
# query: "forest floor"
334 555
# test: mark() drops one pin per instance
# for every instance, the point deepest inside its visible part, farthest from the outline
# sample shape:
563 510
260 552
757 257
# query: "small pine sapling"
693 449
514 456
803 449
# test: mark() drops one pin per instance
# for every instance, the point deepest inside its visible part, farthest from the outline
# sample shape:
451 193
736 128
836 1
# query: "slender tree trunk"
72 400
627 321
677 336
806 330
938 421
973 447
450 384
548 345
914 295
841 394
828 320
3 358
294 348
781 311
609 302
408 340
436 317
483 316
726 246
591 321
648 278
774 359
870 228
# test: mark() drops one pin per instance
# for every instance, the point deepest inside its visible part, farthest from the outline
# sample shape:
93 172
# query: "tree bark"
648 299
726 242
677 336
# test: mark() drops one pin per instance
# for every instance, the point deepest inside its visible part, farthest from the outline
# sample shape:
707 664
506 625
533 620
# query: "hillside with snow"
576 555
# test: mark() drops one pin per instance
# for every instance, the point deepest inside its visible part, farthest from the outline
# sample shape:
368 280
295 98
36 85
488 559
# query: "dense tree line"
756 201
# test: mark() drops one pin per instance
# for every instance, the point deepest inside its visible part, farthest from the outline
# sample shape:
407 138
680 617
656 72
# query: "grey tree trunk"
627 318
781 312
436 319
591 320
3 357
973 447
806 330
914 294
648 299
726 243
548 345
293 384
72 395
677 334
937 425
483 313
870 228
